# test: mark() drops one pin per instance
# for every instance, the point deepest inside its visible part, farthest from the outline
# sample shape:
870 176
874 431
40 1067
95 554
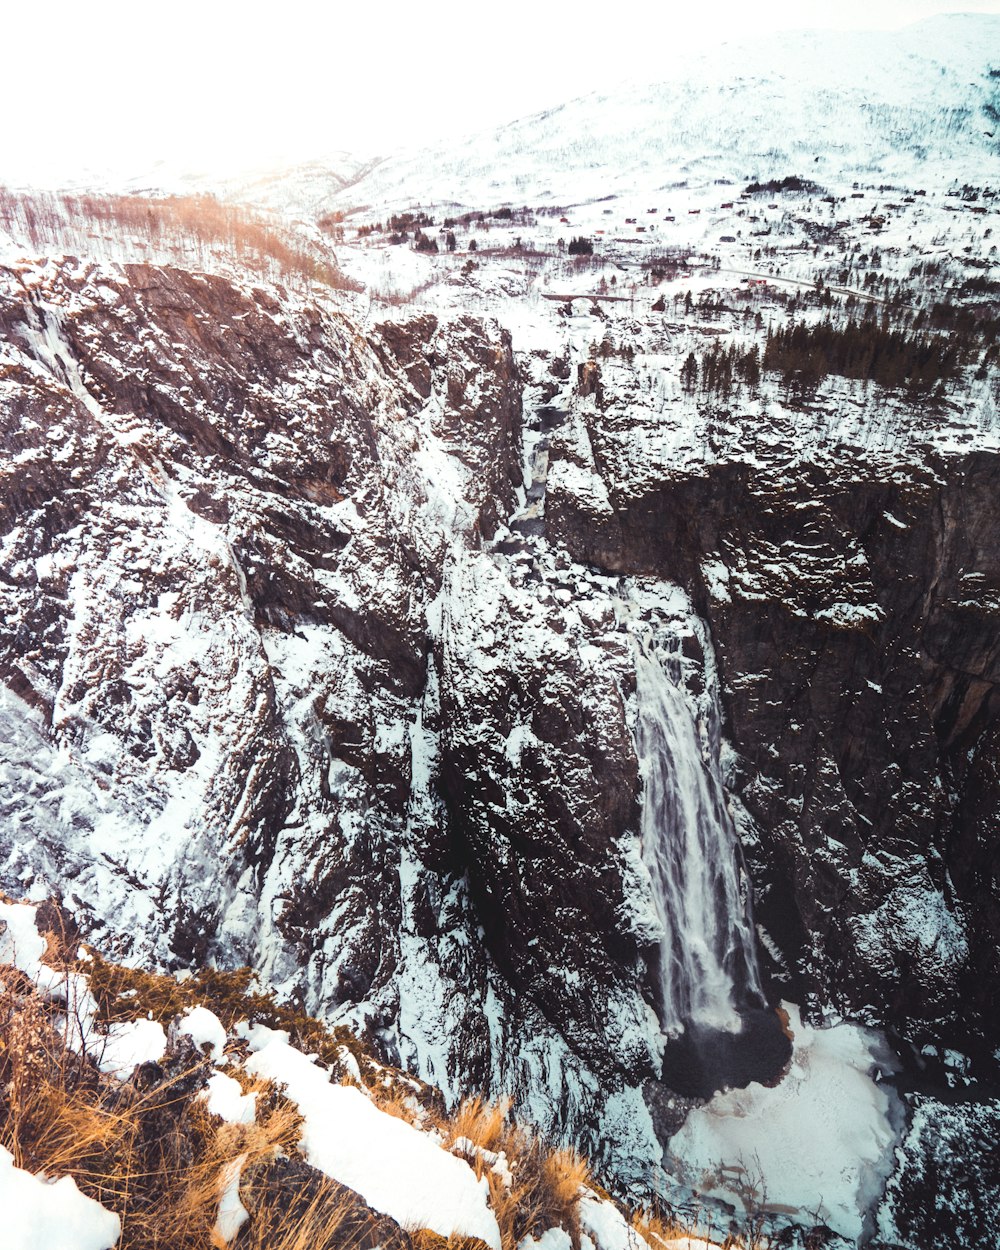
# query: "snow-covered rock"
128 1045
396 1169
204 1029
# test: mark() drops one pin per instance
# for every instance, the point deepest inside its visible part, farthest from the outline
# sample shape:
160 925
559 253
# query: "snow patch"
128 1045
225 1098
606 1225
232 1213
397 1169
551 1239
204 1029
54 1214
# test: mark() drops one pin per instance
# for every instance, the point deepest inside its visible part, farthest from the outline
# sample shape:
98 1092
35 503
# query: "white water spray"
689 845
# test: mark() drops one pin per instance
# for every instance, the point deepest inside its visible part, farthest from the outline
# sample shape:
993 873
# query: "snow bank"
226 1099
205 1029
53 1214
394 1167
606 1226
20 942
821 1142
128 1045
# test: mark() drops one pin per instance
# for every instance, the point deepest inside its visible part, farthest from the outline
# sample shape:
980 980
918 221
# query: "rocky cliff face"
303 669
210 493
263 701
844 556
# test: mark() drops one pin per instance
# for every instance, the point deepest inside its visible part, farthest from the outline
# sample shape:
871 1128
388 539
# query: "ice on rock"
20 942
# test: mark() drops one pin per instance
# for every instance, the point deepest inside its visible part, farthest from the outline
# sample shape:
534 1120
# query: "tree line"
722 370
45 220
869 350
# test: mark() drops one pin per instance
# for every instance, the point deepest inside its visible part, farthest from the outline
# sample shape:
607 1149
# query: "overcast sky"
214 83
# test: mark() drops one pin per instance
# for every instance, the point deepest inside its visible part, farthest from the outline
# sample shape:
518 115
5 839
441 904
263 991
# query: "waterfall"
689 845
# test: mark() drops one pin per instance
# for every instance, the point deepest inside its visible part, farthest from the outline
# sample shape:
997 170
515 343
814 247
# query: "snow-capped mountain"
921 105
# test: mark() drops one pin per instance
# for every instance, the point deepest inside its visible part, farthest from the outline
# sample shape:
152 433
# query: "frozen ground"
820 1141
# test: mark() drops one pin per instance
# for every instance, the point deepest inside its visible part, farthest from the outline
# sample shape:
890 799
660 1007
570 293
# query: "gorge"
571 729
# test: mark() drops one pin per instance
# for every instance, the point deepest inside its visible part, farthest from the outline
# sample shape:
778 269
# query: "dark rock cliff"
848 571
298 673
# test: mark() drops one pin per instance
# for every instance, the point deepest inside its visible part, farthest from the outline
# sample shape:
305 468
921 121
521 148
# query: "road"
745 273
835 290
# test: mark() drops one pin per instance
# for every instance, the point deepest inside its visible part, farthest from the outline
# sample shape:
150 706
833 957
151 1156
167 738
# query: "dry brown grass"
545 1185
487 1124
398 1100
550 1182
425 1239
146 1149
658 1226
123 993
47 1119
149 1150
323 1223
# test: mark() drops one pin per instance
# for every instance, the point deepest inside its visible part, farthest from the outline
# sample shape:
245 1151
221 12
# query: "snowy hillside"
142 1119
918 106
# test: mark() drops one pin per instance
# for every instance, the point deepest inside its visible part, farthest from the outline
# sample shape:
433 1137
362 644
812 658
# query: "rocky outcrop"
844 556
303 1195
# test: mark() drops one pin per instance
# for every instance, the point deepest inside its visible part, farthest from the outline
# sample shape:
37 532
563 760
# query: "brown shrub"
147 1149
123 993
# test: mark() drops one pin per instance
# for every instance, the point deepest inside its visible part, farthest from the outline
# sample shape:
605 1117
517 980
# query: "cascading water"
709 968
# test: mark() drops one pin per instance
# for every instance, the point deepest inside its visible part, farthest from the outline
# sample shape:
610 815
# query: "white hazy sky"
213 84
